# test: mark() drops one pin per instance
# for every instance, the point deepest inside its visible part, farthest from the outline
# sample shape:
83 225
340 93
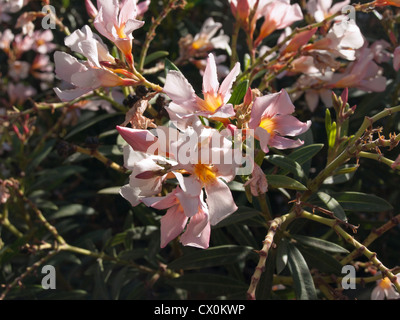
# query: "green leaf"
246 61
333 205
287 164
49 179
236 186
328 122
155 56
40 155
72 210
88 123
212 284
110 190
319 244
239 92
243 215
169 65
281 256
362 202
321 260
302 280
215 256
342 174
303 154
242 235
332 135
279 181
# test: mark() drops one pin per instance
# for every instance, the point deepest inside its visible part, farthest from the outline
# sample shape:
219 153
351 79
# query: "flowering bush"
168 150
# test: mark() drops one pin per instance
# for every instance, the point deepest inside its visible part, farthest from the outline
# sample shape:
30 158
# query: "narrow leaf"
92 121
333 205
332 135
169 65
281 256
302 280
279 181
72 210
155 56
321 260
357 201
288 164
215 256
239 92
242 215
319 244
210 284
303 154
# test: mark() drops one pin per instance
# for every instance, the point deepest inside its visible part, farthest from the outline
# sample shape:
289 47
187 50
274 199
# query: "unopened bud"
91 9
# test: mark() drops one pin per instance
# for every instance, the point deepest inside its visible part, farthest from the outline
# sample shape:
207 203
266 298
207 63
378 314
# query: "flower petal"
226 85
220 201
284 143
180 91
288 125
138 139
270 105
172 224
198 231
210 77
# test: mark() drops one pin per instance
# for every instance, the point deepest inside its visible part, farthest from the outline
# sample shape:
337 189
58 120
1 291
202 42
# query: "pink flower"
181 209
396 163
210 166
116 21
6 38
342 40
89 75
379 49
363 74
42 68
203 42
43 41
147 176
278 15
22 44
4 193
396 58
322 9
258 181
203 155
18 70
19 93
91 9
185 103
271 119
241 11
385 289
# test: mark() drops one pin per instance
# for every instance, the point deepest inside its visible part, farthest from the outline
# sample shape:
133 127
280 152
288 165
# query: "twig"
172 5
263 253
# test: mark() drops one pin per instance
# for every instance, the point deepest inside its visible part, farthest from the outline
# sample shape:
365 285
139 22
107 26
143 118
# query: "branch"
267 243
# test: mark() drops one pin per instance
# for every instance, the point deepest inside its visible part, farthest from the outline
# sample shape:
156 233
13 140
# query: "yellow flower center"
199 43
205 173
385 283
121 31
40 42
210 102
268 124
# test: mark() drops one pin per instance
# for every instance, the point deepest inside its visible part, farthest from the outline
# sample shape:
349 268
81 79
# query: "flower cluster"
205 163
216 127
